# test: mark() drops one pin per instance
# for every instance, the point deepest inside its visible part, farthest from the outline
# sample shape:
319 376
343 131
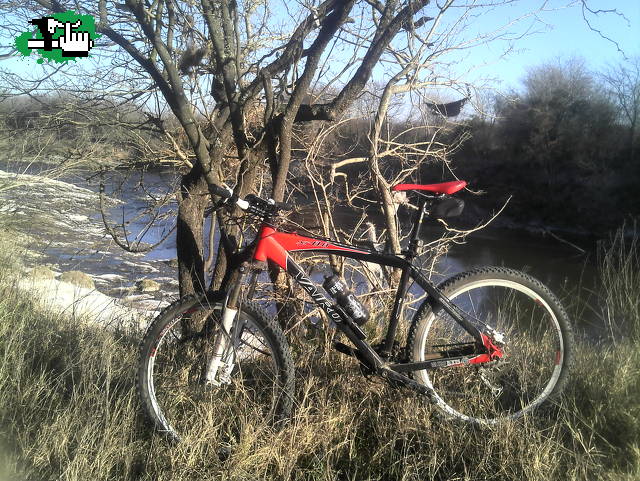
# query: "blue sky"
565 35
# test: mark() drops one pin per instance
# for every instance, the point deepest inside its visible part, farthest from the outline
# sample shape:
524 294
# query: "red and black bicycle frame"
275 246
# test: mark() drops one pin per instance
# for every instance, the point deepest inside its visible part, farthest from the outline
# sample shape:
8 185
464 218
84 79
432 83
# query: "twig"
564 241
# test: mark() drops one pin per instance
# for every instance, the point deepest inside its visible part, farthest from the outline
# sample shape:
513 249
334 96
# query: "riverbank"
60 228
69 409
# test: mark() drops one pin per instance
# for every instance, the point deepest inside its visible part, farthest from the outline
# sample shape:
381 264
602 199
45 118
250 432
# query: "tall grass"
620 275
68 410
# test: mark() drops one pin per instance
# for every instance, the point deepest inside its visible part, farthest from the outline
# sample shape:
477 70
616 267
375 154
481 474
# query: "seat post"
398 304
414 240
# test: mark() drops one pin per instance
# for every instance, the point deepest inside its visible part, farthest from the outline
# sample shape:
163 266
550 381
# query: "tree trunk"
192 200
380 184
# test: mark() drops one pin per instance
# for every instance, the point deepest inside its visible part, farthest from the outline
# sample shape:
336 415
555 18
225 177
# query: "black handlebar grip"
221 191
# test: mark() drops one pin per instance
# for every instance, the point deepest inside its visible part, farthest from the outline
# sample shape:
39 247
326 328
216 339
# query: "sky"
566 35
563 34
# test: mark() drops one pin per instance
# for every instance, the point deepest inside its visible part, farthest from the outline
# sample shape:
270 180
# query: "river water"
568 272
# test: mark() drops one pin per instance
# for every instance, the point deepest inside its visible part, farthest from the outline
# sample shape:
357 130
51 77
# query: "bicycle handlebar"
220 191
251 203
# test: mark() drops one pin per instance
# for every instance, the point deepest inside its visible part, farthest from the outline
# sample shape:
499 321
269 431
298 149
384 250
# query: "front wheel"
538 346
192 388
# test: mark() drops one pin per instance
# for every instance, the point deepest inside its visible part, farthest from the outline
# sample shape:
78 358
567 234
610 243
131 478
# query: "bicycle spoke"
189 372
529 369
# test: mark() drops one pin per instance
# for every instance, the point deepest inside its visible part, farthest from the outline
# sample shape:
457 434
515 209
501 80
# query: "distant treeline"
66 125
566 147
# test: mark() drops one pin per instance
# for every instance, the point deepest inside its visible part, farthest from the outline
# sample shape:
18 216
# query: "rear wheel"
254 378
537 347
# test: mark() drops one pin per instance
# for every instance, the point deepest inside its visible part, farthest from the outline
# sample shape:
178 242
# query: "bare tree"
244 69
623 83
238 77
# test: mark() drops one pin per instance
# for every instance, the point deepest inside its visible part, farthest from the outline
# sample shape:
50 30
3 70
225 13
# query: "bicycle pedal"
366 369
344 349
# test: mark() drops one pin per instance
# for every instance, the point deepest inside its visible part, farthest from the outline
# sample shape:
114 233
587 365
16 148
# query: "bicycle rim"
534 352
186 406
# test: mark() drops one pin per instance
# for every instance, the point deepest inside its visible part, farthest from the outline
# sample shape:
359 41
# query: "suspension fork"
220 354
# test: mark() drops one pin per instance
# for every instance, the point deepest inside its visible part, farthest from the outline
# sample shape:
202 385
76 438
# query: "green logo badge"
60 37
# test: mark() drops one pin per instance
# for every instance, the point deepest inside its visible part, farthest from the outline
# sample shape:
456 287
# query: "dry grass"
620 275
69 411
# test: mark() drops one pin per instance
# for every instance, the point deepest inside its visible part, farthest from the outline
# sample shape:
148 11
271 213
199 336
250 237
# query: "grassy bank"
68 410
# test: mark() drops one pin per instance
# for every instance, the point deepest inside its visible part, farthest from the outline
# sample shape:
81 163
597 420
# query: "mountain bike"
484 346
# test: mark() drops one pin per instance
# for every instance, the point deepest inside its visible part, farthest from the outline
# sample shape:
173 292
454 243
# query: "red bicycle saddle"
442 188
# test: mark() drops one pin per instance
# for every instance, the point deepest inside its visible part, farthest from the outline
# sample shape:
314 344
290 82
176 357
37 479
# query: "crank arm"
396 377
